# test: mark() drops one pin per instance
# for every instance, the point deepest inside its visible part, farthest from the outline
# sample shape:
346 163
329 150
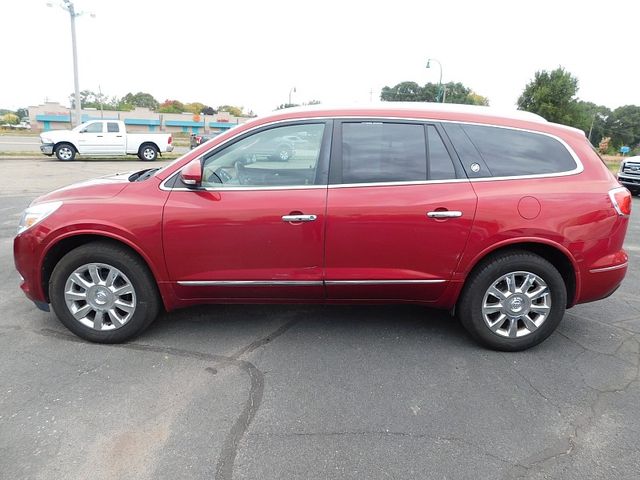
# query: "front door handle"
299 218
444 214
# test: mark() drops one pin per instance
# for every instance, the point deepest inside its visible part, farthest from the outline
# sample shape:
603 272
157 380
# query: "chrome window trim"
608 269
579 166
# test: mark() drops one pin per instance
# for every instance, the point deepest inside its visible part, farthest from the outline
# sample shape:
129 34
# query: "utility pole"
70 7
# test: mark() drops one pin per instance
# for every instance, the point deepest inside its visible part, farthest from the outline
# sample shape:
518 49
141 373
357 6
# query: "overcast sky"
251 53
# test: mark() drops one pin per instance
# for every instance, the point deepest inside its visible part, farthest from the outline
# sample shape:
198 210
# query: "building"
53 116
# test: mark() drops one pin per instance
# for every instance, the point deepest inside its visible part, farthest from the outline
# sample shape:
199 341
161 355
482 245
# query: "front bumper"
631 182
47 148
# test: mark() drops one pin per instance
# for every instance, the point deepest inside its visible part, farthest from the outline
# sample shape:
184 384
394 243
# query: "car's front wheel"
103 293
513 301
65 152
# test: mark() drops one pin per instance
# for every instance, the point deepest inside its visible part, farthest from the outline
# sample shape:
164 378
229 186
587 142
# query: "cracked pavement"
312 392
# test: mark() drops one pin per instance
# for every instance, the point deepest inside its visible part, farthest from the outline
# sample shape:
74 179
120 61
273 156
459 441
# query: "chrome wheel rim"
284 154
100 296
148 153
516 304
65 153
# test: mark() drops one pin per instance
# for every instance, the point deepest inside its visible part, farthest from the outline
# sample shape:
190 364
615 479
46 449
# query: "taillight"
198 139
170 139
621 199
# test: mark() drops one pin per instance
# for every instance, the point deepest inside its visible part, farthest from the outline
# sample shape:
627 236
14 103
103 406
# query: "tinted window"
440 166
94 128
282 156
383 152
508 152
471 161
112 127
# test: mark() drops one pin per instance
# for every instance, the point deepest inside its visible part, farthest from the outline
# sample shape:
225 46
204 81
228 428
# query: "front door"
91 138
256 230
399 214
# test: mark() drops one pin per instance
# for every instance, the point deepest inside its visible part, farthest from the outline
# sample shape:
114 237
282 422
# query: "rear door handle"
299 218
444 214
99 136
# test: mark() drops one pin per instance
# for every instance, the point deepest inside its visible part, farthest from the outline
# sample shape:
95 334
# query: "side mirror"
84 130
191 174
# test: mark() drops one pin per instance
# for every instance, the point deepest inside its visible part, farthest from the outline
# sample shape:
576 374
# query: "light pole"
69 7
290 92
440 97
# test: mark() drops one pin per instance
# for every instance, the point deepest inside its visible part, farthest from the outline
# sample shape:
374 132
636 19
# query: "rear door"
399 212
114 139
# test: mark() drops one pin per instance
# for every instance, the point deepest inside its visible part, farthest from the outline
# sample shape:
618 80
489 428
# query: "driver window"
280 156
95 127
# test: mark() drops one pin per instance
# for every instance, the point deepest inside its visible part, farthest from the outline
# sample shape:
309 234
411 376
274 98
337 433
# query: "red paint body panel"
363 233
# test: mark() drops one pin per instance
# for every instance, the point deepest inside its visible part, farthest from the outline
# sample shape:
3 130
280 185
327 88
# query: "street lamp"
69 7
440 96
293 90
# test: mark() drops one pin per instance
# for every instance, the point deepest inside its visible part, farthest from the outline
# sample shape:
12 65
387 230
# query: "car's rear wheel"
148 152
65 152
513 301
103 293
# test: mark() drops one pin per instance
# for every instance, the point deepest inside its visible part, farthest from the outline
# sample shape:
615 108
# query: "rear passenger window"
507 152
440 166
112 127
383 152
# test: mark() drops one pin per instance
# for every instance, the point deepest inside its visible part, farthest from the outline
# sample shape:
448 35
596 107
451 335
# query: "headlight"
36 214
45 140
621 167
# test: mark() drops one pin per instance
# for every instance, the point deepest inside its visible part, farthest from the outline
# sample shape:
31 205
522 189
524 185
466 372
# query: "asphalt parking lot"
310 392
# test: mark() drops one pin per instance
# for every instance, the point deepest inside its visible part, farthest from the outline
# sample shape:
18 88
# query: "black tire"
146 299
148 152
470 305
65 152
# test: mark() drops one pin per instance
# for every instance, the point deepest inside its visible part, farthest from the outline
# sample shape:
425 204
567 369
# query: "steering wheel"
220 175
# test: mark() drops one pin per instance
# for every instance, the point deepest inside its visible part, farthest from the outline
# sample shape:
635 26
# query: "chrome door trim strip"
608 269
249 283
382 282
299 283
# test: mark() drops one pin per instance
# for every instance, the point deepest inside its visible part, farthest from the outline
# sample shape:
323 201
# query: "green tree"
592 119
171 106
456 92
10 118
553 96
198 108
140 99
232 110
22 113
623 126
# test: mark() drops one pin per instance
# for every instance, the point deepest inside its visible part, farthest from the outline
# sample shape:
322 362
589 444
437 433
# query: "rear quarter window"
507 152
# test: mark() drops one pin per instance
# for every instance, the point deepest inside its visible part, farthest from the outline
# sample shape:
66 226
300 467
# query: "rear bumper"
170 148
47 148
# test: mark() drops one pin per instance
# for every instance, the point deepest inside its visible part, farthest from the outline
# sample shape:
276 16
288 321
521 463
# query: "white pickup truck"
104 137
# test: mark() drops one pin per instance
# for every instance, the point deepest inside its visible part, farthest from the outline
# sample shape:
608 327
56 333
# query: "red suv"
504 219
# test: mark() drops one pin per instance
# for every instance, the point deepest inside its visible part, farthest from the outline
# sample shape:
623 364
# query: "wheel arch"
151 143
64 245
553 253
65 142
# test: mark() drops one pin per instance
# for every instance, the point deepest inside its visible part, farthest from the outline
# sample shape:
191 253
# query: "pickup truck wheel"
513 301
103 293
65 152
148 153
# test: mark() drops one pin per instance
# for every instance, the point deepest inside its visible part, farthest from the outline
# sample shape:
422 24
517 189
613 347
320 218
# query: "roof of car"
422 107
425 110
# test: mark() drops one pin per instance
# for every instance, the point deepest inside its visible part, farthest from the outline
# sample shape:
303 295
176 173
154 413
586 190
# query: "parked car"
504 219
197 139
104 137
629 174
